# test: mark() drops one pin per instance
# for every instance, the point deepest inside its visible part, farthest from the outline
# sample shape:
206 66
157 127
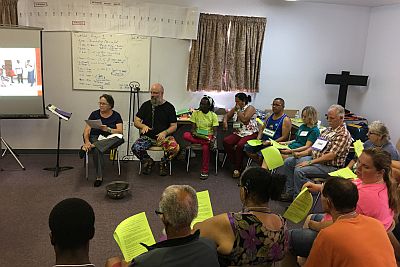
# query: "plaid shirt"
339 141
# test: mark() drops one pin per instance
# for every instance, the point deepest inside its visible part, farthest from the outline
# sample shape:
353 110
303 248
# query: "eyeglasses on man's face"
158 212
103 103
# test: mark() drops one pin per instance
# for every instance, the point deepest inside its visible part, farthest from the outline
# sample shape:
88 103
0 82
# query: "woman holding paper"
244 128
377 199
254 236
305 136
204 131
111 124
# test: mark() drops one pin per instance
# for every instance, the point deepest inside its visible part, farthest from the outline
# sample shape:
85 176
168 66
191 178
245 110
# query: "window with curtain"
227 54
8 12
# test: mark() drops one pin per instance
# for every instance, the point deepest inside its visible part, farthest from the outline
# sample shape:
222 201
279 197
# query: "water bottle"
297 116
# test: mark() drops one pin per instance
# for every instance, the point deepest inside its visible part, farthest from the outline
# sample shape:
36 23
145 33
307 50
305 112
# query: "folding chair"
198 147
115 156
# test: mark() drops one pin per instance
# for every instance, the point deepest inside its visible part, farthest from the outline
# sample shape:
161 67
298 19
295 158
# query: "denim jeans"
301 240
297 176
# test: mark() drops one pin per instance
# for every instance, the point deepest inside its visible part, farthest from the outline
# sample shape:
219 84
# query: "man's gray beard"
155 102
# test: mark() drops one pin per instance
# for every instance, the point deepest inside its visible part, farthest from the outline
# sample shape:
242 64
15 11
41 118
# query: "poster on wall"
114 16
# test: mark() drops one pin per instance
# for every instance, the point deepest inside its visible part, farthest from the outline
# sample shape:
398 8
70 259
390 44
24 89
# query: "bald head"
179 206
157 94
158 87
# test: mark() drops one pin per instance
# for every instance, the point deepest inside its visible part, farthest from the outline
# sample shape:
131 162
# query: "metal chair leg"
249 161
87 165
224 159
315 202
189 151
216 161
118 162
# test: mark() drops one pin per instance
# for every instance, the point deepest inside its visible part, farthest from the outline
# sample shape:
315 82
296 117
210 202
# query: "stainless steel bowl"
117 189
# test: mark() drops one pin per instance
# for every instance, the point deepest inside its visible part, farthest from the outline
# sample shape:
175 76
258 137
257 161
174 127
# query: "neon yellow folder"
277 145
300 206
344 173
254 142
130 233
272 157
358 147
204 207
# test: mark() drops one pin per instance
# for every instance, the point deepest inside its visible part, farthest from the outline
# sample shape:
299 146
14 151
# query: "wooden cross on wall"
344 80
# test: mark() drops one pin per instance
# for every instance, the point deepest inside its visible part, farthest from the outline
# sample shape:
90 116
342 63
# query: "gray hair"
379 128
339 109
179 206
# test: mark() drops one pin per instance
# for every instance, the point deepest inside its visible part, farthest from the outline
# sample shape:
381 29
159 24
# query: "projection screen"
21 76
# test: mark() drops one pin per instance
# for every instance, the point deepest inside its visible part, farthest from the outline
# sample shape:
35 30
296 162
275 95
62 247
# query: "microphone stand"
134 91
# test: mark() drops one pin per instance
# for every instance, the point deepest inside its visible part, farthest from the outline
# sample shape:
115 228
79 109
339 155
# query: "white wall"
382 64
303 42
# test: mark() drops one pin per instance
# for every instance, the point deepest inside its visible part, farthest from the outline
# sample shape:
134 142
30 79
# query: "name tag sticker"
236 125
269 132
319 144
303 133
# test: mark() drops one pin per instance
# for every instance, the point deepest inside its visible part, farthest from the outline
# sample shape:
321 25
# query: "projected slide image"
20 72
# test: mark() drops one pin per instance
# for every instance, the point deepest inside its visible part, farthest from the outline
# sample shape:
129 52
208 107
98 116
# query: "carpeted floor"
27 198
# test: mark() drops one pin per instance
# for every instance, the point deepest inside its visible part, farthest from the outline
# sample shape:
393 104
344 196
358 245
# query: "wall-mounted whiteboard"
108 61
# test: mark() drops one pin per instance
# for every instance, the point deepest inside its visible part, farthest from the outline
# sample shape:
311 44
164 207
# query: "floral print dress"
254 243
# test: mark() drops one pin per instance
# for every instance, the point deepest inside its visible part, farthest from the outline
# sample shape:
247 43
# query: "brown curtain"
8 12
207 55
244 53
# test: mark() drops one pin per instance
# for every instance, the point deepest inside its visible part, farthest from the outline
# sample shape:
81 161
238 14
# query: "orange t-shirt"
359 241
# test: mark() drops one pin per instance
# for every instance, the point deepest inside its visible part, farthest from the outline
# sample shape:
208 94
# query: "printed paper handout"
300 206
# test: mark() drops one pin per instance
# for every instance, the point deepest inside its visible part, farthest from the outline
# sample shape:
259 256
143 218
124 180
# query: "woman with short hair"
111 124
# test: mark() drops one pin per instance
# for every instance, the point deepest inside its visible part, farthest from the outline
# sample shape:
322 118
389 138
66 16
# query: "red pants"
235 155
205 148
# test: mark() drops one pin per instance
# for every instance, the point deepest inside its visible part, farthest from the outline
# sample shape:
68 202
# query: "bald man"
156 121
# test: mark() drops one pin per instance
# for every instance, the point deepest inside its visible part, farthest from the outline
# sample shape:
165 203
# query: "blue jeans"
296 176
301 240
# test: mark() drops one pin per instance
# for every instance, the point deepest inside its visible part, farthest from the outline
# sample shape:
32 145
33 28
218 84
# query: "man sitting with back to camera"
71 223
177 208
327 154
156 120
353 239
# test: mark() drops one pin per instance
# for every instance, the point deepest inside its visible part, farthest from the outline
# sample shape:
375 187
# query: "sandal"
204 176
236 174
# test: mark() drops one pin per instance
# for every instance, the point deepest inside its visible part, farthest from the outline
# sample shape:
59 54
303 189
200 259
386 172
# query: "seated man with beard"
156 120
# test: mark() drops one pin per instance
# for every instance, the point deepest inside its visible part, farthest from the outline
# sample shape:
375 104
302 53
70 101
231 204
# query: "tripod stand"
57 168
8 147
135 88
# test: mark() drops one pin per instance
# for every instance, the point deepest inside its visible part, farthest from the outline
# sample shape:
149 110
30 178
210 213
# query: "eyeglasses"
103 104
369 133
276 105
158 212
